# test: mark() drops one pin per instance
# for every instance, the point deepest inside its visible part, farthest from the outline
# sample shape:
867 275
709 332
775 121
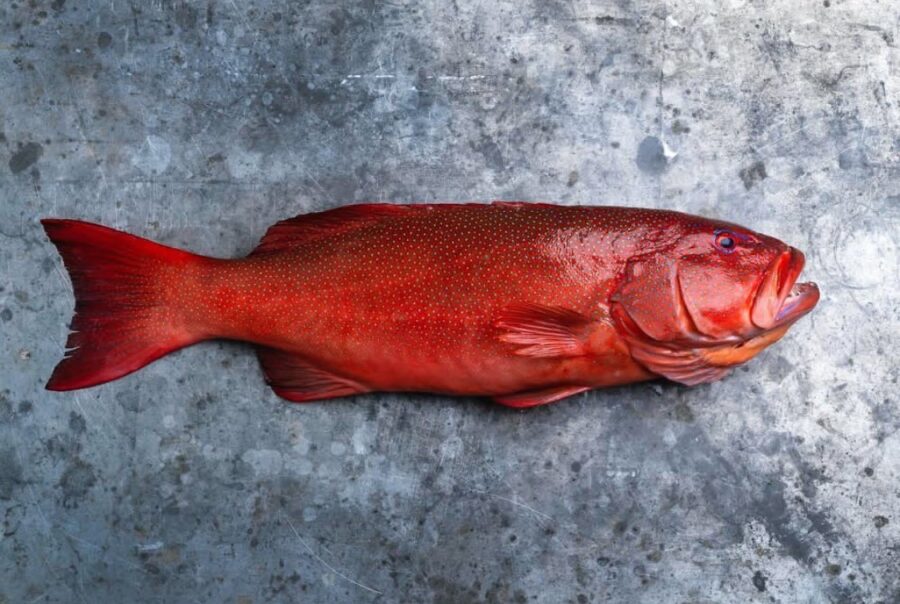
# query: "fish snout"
780 300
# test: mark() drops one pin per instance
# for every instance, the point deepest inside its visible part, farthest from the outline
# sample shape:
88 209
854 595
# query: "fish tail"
128 293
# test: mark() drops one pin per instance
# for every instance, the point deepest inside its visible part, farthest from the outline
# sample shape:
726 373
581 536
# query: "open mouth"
800 300
780 300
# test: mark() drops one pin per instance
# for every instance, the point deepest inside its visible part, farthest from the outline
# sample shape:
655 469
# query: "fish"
524 303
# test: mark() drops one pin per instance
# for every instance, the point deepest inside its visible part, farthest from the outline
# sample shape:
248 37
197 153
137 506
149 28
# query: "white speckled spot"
168 422
450 449
360 441
243 164
338 449
302 466
309 514
265 462
669 437
867 257
153 156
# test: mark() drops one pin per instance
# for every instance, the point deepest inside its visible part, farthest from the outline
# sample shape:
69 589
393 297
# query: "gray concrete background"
200 124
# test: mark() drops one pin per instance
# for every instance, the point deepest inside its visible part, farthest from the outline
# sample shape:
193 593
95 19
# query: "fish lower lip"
800 300
775 301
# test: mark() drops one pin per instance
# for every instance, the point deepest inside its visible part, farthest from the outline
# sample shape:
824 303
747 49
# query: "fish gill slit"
692 330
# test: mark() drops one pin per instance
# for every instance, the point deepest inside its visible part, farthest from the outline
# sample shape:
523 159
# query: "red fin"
120 322
686 366
543 331
294 378
533 398
309 227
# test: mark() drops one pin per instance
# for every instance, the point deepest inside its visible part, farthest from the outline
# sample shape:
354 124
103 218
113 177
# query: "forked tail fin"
126 302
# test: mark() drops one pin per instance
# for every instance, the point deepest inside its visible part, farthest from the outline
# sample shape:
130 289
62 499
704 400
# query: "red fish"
526 303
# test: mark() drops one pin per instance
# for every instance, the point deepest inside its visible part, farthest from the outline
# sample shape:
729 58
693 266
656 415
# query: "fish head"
709 297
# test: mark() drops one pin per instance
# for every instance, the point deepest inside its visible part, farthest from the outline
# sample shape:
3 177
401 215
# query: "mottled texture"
201 124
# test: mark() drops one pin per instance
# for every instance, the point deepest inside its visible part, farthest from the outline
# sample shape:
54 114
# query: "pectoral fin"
533 398
543 331
294 378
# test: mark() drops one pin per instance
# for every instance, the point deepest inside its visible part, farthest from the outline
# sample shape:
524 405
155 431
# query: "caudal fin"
125 314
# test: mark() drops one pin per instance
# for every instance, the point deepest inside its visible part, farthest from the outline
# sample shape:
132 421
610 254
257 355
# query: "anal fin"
533 398
294 378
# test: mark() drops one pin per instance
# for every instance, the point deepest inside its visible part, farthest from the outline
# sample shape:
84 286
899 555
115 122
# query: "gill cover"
649 308
718 297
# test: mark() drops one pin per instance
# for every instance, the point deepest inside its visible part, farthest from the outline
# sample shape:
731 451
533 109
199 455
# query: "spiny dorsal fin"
309 227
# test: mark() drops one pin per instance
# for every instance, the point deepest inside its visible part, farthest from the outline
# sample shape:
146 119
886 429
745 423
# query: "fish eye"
725 241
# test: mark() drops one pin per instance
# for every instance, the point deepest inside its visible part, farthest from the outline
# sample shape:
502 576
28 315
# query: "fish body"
525 303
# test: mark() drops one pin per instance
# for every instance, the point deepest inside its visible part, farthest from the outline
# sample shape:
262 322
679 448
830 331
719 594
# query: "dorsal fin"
309 227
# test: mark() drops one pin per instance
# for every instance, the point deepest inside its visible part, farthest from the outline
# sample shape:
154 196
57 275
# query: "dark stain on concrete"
775 514
25 156
47 265
490 151
76 481
759 581
850 159
185 16
683 412
12 520
10 473
651 156
77 423
6 410
753 174
679 127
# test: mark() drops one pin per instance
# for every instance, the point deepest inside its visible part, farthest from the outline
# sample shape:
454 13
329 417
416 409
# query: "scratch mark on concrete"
517 503
325 564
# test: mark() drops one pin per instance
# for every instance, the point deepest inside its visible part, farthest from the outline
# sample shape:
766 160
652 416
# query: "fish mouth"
780 299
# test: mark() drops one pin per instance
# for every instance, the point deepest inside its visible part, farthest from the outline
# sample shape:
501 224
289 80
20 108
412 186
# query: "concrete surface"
200 124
